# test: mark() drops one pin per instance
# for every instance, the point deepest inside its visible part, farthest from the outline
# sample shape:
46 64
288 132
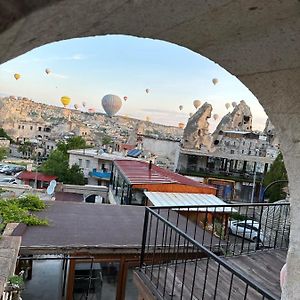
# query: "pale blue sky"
86 69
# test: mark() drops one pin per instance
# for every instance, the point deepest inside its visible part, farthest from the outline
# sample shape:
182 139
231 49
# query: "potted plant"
14 286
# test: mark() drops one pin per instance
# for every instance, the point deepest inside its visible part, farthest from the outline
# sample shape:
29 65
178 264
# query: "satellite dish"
53 183
51 187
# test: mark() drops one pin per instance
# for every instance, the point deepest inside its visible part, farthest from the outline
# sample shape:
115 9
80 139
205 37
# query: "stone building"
233 155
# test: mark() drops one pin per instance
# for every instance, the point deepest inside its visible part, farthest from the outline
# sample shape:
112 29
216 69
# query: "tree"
57 163
3 153
76 142
276 172
4 134
26 148
107 140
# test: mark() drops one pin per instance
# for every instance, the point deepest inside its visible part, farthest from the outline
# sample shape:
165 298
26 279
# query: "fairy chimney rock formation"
239 119
196 133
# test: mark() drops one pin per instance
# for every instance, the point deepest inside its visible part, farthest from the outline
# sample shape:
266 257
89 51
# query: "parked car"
4 168
247 229
8 180
14 170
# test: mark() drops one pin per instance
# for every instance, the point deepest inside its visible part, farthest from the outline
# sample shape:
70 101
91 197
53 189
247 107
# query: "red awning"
25 175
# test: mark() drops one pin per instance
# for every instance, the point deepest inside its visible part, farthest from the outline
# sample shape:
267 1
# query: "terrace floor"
262 268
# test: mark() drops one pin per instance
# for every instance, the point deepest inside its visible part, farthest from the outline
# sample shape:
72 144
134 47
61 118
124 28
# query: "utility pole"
254 181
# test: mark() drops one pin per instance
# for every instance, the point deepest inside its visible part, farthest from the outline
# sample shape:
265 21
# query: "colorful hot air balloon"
65 100
83 104
197 103
48 71
17 76
233 104
181 125
147 91
111 104
180 107
215 81
216 117
125 98
227 105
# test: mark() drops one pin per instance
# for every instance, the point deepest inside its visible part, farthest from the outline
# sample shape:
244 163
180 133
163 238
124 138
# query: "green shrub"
18 211
237 216
31 202
16 280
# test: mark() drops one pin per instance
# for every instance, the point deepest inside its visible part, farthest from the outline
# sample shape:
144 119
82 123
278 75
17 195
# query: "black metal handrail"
172 231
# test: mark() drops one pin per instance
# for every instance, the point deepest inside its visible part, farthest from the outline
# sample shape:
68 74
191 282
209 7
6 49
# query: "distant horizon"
2 95
86 69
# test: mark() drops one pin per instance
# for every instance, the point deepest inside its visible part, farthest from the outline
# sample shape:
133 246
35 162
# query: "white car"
4 169
247 229
8 180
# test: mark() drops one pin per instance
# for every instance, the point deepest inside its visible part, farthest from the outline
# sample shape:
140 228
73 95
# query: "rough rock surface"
270 131
196 134
15 110
269 128
239 119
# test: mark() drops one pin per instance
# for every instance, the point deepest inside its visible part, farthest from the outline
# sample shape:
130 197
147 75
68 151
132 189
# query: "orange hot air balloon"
65 100
181 125
17 76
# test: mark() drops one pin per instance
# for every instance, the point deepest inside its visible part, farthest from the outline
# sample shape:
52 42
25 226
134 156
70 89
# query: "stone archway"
257 41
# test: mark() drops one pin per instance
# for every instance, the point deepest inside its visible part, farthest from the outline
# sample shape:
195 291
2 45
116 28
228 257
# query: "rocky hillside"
14 109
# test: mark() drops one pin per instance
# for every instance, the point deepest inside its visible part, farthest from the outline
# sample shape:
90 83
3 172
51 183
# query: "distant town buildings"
234 158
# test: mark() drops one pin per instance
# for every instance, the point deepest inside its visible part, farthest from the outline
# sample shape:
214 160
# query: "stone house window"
87 163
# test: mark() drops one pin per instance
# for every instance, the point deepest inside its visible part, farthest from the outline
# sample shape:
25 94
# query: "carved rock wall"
196 133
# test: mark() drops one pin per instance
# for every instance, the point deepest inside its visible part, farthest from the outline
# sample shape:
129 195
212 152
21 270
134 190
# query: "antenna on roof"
150 165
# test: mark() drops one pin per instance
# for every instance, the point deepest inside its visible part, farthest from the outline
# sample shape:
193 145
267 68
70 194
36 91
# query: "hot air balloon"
125 98
147 91
180 107
111 104
181 125
190 114
48 71
227 105
197 103
216 117
76 106
215 81
233 104
17 76
65 100
83 104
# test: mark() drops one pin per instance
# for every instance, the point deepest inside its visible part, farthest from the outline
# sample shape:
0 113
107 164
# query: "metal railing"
184 249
